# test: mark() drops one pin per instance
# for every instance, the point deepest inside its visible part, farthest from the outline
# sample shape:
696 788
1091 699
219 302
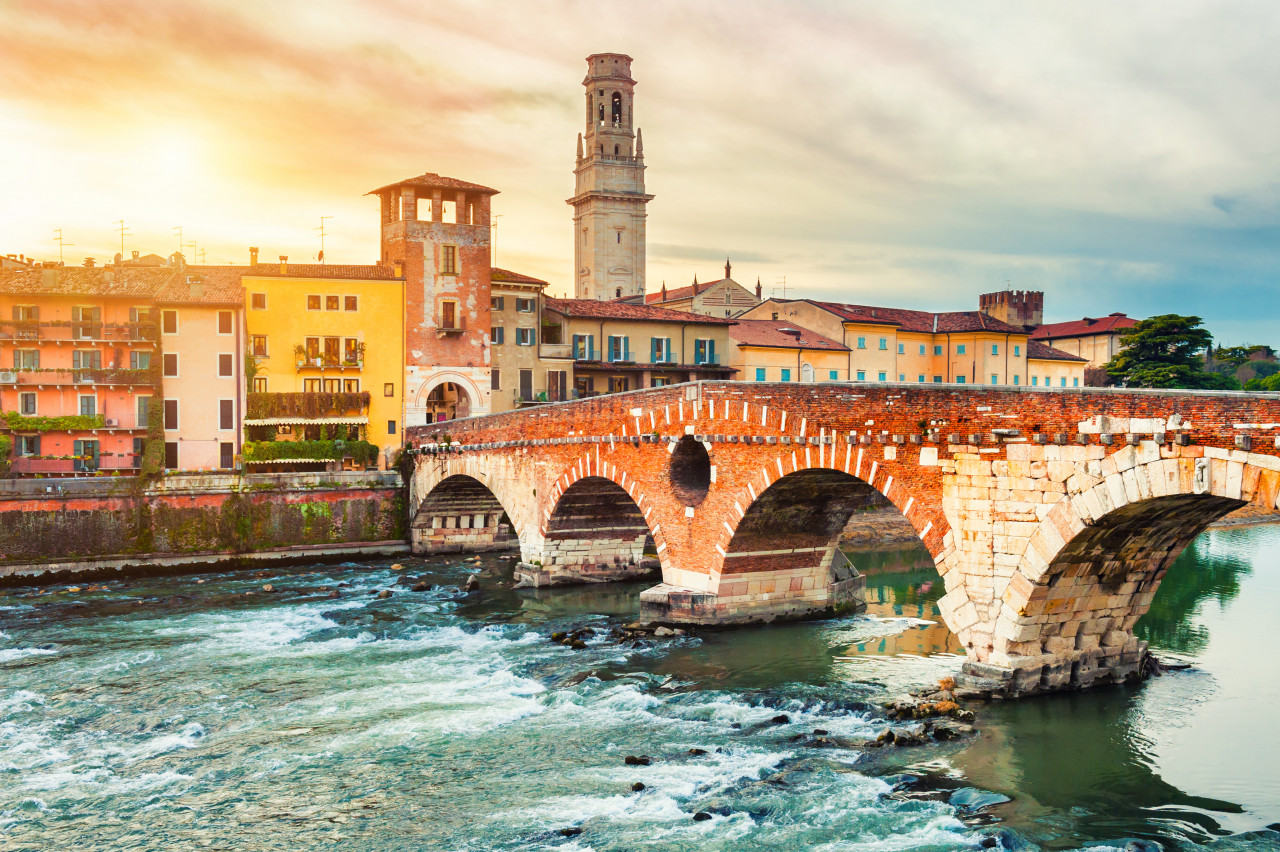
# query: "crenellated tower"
609 198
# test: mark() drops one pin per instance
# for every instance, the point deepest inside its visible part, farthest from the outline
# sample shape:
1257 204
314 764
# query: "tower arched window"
617 110
618 293
602 112
615 150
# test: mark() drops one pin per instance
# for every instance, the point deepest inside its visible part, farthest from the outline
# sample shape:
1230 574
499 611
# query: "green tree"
1167 351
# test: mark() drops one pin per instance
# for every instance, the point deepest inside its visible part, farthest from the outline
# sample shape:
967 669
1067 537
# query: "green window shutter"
653 350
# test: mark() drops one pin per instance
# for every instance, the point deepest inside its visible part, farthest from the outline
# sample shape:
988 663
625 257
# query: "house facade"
766 350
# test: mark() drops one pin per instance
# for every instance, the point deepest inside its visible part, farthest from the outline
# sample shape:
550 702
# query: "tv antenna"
782 282
123 232
194 250
178 230
322 233
62 244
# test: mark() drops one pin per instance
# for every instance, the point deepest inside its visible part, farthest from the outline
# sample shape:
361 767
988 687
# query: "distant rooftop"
431 180
623 311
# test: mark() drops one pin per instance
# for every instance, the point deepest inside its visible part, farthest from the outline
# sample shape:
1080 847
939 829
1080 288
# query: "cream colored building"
530 364
723 298
618 347
1095 340
781 351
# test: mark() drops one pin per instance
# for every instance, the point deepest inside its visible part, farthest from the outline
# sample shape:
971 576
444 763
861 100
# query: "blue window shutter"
711 351
626 348
653 350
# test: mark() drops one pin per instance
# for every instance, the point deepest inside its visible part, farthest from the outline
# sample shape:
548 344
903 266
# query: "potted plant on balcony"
300 354
355 358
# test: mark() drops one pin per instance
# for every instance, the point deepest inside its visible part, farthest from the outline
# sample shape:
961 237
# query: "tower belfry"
609 198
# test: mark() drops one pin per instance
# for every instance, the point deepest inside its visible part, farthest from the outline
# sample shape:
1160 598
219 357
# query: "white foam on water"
8 655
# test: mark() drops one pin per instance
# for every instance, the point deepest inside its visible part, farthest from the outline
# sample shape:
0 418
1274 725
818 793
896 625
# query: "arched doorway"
446 401
806 373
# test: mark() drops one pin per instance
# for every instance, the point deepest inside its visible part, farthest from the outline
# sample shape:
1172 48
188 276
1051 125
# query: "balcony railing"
54 331
80 376
322 363
30 465
457 326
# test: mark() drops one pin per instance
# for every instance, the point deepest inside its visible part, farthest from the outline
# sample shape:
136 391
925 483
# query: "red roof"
104 281
1080 327
430 180
1044 352
919 321
773 333
496 274
622 311
214 285
682 292
320 270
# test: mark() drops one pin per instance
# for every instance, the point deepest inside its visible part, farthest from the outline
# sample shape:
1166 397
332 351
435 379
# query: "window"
258 301
960 349
902 377
995 349
330 303
1064 381
449 314
902 349
169 322
1048 382
332 385
760 374
351 386
1017 351
496 303
313 302
937 380
312 351
449 260
862 375
258 345
351 303
27 403
171 414
26 445
659 382
226 455
495 379
833 376
171 455
786 375
495 334
311 385
557 384
959 380
139 444
87 323
391 427
389 389
226 417
862 343
920 378
921 348
660 350
351 352
880 377
995 380
584 347
143 404
1016 379
937 350
26 359
1075 383
26 313
224 322
884 343
619 347
259 385
86 359
225 365
524 306
1035 381
526 385
704 351
524 337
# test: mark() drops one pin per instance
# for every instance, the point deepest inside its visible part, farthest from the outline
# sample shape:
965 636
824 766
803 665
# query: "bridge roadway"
1051 515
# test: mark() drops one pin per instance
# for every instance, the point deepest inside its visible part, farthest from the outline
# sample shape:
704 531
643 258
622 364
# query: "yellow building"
768 350
897 345
331 329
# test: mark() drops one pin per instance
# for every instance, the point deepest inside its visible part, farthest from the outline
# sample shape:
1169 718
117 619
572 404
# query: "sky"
1119 157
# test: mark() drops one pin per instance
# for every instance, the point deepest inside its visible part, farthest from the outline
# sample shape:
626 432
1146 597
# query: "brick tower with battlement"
1014 307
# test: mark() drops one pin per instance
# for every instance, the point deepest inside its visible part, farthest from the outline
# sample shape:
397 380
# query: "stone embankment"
55 530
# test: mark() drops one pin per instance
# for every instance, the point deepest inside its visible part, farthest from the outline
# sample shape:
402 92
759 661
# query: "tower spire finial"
727 267
579 147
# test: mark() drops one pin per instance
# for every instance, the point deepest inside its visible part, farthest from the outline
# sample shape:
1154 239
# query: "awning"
292 461
309 421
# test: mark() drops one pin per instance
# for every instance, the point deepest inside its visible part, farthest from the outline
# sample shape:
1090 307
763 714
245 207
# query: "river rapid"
202 712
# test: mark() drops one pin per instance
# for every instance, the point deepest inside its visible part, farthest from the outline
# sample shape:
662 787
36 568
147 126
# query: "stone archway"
461 515
448 398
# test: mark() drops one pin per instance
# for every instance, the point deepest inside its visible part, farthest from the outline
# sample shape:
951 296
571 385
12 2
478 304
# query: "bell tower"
609 198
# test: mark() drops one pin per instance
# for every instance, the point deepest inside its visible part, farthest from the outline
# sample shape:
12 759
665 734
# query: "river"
202 712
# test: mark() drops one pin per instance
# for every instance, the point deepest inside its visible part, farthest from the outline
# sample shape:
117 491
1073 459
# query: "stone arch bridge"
1051 515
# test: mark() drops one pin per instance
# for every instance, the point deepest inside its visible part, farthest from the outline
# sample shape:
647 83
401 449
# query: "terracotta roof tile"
322 270
430 180
1042 352
919 321
204 285
623 311
1077 328
496 274
773 333
103 281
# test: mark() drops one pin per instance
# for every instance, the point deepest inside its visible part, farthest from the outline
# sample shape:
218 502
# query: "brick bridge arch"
1023 498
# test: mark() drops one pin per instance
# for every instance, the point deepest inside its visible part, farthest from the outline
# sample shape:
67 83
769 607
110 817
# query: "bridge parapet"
1051 515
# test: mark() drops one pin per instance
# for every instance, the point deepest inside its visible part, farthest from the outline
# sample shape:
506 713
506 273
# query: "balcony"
65 466
64 331
81 376
556 350
451 326
322 363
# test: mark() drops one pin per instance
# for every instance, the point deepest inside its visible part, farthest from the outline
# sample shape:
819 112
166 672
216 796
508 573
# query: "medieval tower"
609 199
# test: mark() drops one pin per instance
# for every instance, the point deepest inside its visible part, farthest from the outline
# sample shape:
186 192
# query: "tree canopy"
1166 351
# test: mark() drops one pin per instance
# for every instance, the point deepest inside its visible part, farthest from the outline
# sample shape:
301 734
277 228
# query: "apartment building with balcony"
326 330
529 363
618 347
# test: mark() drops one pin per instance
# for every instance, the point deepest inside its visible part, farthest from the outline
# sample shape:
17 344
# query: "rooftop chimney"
253 255
284 264
399 268
89 262
135 254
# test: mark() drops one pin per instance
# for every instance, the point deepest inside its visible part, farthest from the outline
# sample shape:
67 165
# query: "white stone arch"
806 373
463 381
430 471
